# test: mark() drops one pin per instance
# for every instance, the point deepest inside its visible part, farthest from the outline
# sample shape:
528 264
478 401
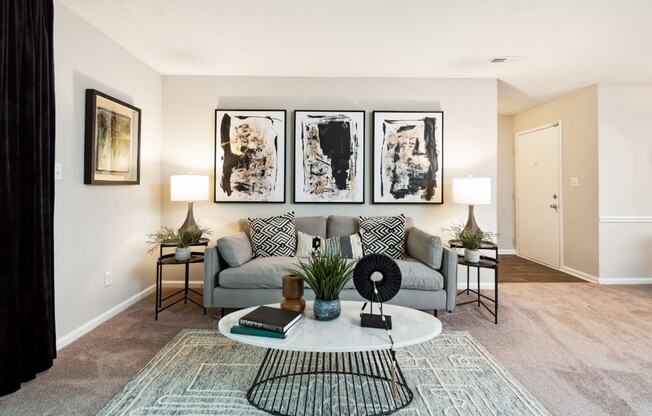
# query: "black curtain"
27 339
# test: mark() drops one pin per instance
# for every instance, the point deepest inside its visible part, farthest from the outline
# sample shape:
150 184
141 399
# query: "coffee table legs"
309 383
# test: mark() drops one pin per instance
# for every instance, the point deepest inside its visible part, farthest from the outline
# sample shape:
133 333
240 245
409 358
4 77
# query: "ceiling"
565 44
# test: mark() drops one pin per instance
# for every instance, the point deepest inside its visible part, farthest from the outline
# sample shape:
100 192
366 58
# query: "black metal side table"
168 259
486 262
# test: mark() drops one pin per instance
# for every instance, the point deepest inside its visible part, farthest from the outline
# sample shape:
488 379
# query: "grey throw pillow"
424 247
273 236
235 249
383 235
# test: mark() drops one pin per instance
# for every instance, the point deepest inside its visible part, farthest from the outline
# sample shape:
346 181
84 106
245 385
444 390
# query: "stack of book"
267 322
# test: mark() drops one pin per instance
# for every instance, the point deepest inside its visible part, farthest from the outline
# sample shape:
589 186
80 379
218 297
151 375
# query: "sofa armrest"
449 271
213 264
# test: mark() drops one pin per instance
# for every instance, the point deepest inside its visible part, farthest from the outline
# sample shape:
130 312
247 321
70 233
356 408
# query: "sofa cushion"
235 249
273 236
349 247
424 247
341 225
418 276
258 273
383 235
311 225
268 272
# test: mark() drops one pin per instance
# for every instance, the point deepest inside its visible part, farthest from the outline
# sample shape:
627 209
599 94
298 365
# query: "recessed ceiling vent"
505 59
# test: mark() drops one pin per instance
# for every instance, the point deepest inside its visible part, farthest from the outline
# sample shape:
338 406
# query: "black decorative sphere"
384 271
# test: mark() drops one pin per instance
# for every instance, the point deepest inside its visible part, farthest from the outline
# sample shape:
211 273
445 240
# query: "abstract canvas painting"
408 157
112 140
250 156
113 151
329 156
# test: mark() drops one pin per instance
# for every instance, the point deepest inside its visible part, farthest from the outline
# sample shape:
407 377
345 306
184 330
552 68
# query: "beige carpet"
579 348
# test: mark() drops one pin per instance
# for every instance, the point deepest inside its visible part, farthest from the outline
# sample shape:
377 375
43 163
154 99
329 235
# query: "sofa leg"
434 312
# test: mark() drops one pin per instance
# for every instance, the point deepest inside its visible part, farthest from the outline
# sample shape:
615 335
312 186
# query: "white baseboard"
580 274
100 319
626 281
509 251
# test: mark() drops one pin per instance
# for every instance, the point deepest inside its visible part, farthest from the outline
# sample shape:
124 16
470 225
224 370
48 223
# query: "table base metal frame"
480 296
185 292
328 384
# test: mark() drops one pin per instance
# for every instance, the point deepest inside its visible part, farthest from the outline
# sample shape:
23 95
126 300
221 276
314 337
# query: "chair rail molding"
625 219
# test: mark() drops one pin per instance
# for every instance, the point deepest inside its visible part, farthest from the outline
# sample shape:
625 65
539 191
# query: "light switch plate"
574 182
58 171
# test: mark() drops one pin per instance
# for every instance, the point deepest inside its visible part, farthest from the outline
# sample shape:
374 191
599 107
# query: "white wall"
578 113
505 188
189 105
100 228
625 171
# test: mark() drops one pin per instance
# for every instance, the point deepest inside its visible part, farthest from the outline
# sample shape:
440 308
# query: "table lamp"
472 191
188 188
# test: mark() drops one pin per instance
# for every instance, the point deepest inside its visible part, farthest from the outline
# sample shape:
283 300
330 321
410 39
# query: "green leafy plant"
182 237
326 275
471 240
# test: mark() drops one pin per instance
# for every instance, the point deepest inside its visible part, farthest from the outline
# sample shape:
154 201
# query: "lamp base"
190 219
471 225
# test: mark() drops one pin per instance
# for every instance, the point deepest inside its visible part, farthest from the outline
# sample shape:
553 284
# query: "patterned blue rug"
201 372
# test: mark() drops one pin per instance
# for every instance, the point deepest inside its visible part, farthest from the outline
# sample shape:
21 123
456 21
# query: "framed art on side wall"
250 156
112 141
329 157
408 157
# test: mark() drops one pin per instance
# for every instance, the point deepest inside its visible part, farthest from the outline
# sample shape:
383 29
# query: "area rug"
201 372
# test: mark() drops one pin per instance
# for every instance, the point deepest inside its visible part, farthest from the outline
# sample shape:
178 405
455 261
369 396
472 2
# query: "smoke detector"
505 59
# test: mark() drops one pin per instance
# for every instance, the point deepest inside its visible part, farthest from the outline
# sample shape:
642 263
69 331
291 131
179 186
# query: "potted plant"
471 241
326 276
181 238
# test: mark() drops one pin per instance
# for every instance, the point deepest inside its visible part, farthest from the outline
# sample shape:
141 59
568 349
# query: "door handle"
554 206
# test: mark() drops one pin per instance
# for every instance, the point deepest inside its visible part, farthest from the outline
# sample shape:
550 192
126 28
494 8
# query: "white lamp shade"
188 188
472 191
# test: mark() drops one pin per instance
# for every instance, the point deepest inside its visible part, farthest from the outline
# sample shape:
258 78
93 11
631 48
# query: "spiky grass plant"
326 275
183 237
471 240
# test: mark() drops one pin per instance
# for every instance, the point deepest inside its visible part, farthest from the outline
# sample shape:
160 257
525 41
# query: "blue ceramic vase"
326 310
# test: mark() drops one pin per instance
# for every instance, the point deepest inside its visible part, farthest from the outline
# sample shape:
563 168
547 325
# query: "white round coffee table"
335 367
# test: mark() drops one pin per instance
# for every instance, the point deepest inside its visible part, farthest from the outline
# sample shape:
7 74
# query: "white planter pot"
472 256
182 253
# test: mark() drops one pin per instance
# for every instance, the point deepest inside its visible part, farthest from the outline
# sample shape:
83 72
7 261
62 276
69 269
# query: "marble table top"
343 334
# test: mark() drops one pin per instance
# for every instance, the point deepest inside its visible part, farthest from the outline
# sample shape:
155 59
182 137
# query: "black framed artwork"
408 157
250 156
329 156
112 141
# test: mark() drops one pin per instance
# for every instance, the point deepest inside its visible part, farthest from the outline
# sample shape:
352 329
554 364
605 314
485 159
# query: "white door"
537 195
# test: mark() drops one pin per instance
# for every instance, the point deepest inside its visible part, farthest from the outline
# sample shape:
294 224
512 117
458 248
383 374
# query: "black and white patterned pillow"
273 236
383 235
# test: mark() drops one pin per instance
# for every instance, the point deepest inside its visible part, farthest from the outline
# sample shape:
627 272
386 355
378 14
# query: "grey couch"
258 281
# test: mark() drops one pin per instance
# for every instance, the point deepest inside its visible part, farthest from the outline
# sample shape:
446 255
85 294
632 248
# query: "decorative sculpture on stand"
378 279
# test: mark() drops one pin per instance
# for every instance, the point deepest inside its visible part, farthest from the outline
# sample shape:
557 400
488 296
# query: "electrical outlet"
574 182
108 278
